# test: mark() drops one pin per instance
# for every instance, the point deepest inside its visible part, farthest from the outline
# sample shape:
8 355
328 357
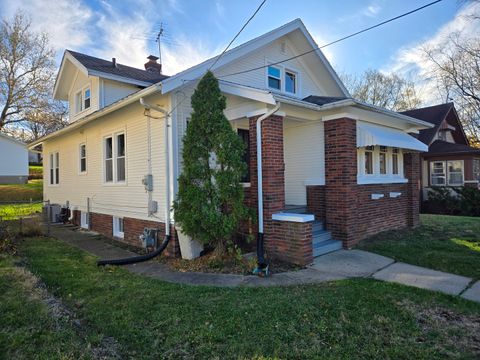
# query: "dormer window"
274 78
282 79
83 99
290 82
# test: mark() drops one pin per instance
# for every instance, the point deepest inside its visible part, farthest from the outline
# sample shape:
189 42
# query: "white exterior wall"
13 158
114 90
126 200
304 156
269 54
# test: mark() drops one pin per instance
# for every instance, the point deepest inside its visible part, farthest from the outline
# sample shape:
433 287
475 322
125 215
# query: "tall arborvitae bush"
209 204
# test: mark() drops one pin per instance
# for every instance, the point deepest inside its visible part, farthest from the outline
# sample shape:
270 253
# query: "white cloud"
372 10
66 21
369 11
408 61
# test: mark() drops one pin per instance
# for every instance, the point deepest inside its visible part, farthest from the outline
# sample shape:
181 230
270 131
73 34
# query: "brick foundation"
316 201
133 228
292 242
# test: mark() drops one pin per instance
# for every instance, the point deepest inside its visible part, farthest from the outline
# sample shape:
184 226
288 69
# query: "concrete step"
320 236
326 247
317 226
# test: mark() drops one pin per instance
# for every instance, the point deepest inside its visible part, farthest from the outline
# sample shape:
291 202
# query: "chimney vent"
152 64
114 62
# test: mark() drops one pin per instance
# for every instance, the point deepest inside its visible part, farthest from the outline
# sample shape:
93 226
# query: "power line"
238 33
336 41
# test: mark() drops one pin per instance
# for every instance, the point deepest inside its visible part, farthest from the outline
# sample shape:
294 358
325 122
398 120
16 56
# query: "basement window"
118 227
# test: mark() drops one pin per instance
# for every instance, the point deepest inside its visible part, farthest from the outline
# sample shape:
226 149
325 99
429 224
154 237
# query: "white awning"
371 134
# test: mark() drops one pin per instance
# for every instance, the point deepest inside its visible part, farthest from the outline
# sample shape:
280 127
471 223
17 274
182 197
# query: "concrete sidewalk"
342 264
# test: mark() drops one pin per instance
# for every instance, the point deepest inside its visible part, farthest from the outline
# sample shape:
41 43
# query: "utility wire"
225 50
238 34
336 41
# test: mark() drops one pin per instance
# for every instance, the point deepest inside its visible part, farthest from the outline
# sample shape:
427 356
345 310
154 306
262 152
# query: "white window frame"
80 171
476 166
114 158
54 168
432 164
280 69
295 74
118 227
377 177
80 99
84 219
283 72
447 173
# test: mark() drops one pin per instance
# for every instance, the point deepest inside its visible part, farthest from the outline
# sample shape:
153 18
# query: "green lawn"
22 192
35 169
15 211
150 319
446 243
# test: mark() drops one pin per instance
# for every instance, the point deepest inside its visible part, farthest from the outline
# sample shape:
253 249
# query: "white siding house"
13 161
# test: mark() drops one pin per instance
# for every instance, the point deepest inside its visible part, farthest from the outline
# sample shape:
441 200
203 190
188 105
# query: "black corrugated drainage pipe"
137 259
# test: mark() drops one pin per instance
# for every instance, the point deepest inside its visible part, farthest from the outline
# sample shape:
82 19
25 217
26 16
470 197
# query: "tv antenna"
158 40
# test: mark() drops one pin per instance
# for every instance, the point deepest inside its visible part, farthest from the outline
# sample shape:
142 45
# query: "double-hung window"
438 175
383 160
443 173
114 158
83 158
369 160
476 169
290 82
274 78
54 167
395 160
83 99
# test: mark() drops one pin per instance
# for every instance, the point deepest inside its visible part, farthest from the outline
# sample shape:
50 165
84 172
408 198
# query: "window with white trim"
395 160
438 176
54 168
443 173
274 78
476 169
114 158
290 82
118 227
83 99
368 160
82 153
455 172
84 219
380 164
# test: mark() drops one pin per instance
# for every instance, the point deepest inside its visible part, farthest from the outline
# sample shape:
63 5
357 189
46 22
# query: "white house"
13 161
333 170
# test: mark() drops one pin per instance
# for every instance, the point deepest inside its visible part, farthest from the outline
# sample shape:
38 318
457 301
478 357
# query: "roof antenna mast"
158 40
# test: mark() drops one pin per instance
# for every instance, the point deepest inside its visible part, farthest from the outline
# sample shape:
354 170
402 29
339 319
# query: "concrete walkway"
342 264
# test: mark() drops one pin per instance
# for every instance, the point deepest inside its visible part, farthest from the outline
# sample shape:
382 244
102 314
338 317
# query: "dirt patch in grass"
108 348
457 331
229 264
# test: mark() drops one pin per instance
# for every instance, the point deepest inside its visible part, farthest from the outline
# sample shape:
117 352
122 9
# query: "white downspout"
148 106
259 164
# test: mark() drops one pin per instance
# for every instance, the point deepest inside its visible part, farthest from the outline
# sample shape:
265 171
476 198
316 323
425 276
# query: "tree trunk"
220 249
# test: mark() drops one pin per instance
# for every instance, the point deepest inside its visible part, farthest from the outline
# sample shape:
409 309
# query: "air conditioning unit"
53 212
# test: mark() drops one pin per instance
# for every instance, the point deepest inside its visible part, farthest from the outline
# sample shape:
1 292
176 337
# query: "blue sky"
198 29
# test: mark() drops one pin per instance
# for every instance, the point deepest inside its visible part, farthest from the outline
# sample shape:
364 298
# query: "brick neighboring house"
450 160
333 170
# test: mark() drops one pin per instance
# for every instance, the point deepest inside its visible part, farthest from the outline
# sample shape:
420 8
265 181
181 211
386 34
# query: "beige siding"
129 199
114 90
304 154
272 53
